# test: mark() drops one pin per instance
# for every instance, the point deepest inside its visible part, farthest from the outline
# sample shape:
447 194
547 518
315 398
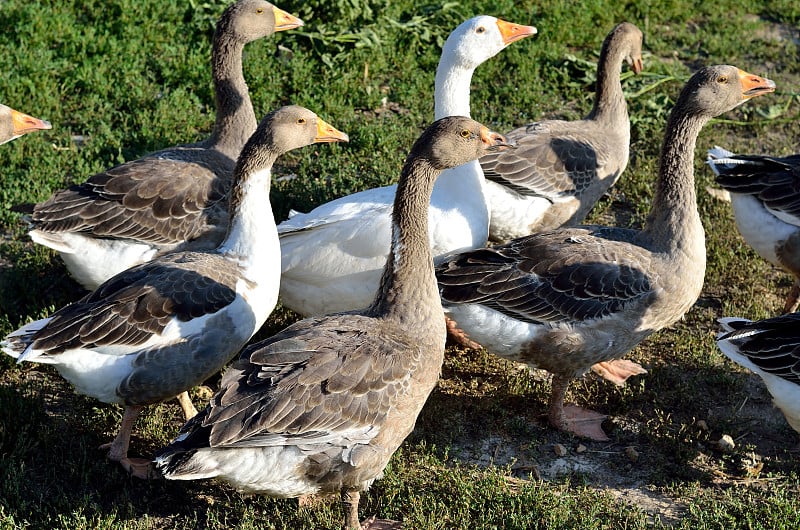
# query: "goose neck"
408 278
674 216
235 118
451 92
251 225
609 99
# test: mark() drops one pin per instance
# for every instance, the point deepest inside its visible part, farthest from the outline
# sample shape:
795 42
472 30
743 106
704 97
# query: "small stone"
702 425
559 450
632 454
726 444
580 449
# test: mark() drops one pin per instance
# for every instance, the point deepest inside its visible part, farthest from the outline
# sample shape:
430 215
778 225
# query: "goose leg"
571 418
350 498
793 300
118 449
189 410
618 370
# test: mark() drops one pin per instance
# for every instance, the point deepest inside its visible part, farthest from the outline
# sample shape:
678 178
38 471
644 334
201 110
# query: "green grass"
119 78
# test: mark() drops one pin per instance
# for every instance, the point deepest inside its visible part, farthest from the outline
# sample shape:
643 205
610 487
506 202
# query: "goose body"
323 405
14 124
173 199
560 169
766 205
567 299
771 349
333 255
159 328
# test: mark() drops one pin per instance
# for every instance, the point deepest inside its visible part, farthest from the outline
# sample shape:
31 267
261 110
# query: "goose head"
287 128
469 45
456 140
714 90
629 38
481 38
254 19
14 124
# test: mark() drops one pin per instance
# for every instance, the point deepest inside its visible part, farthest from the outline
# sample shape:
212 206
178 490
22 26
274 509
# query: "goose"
14 124
332 257
567 299
766 205
159 328
173 199
321 406
771 349
560 169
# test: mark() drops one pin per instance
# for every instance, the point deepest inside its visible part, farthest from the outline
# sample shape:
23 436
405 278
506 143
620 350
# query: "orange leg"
189 410
118 449
792 301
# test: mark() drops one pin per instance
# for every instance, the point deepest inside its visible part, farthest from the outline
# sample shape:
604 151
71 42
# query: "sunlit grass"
119 78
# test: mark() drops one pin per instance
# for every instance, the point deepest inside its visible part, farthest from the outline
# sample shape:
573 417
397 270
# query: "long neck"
673 216
451 92
609 100
235 118
462 185
408 279
251 226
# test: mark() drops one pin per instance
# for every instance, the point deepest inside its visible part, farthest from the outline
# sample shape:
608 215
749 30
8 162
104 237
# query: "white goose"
175 198
766 205
771 349
157 329
332 257
14 124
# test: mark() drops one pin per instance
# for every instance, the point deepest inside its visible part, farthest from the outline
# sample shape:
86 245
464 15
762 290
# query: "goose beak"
636 64
284 20
512 32
753 85
494 141
327 133
24 124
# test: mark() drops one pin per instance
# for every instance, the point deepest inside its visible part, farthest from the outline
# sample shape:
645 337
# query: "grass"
119 78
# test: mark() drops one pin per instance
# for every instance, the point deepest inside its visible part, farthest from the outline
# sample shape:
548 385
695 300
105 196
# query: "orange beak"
284 20
24 124
493 141
753 85
636 64
327 133
512 32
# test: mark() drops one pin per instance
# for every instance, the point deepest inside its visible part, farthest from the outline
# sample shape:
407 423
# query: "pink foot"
618 370
459 337
140 468
582 422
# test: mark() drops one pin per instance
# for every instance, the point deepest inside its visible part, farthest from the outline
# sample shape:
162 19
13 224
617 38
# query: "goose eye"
465 133
722 79
301 121
259 10
480 29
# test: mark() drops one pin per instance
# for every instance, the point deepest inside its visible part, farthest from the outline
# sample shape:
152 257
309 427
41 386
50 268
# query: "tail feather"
17 343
